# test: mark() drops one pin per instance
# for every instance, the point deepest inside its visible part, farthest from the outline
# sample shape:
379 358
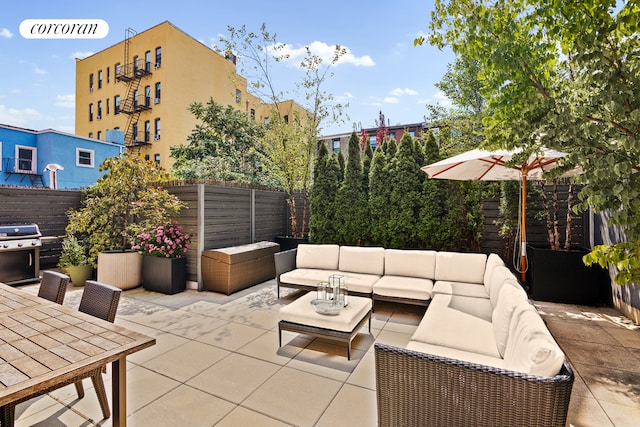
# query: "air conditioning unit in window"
98 117
91 89
156 100
157 65
156 137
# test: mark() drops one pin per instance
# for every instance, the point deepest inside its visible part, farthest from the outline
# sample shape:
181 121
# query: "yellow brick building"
144 85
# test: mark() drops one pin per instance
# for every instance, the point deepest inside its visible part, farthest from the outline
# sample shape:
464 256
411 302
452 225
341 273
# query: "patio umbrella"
482 165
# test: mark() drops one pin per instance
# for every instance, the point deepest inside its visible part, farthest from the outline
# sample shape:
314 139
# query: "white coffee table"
301 317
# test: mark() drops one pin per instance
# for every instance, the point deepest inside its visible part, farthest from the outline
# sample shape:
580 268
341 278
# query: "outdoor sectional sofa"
481 354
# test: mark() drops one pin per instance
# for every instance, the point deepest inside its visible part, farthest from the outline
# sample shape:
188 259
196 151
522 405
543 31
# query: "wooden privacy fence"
218 216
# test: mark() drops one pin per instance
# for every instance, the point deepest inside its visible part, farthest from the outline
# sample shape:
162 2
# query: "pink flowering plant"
165 241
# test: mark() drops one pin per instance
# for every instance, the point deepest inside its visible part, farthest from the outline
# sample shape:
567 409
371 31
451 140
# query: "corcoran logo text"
64 28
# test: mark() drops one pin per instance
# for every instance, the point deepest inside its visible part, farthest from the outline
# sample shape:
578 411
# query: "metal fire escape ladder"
131 74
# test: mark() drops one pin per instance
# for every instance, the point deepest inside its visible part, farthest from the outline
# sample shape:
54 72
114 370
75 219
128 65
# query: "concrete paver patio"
217 362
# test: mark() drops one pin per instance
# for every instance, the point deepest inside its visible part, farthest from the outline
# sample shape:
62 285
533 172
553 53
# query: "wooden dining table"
43 344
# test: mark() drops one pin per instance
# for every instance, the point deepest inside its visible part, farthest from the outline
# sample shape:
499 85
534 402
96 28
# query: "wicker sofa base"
421 389
344 337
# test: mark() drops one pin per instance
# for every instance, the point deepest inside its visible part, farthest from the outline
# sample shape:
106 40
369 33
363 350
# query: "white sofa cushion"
411 263
359 282
307 276
300 311
508 300
493 261
501 275
453 353
324 257
442 325
530 347
478 307
460 267
359 259
446 287
403 287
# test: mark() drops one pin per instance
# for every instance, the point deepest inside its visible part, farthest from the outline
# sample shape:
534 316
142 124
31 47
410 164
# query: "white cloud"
66 101
391 100
81 55
38 70
5 33
17 117
406 91
324 51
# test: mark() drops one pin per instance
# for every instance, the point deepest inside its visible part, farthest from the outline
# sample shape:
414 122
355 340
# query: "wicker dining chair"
99 300
53 286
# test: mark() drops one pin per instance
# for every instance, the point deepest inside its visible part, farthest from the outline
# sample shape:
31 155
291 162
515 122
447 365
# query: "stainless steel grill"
19 253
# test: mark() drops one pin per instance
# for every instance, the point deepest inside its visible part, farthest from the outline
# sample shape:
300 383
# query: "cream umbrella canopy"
482 165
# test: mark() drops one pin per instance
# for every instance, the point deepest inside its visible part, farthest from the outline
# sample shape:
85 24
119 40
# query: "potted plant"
164 265
126 200
74 260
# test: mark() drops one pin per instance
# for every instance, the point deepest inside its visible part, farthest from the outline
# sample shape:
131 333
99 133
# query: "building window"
253 114
118 69
238 96
372 141
84 157
336 145
100 79
99 110
107 105
91 82
147 61
116 104
286 119
147 95
412 133
156 134
90 112
157 94
135 99
156 157
99 135
146 157
135 132
108 74
91 135
158 57
25 159
147 131
392 135
135 65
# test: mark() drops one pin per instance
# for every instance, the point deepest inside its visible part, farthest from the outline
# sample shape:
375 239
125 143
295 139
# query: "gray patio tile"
365 373
612 385
586 412
599 355
231 336
182 406
592 332
627 336
44 410
622 415
165 341
245 417
394 338
194 326
260 318
234 377
186 361
265 347
327 358
297 397
341 410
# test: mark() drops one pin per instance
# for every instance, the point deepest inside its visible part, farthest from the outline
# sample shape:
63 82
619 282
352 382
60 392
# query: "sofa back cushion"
460 267
501 275
493 261
357 259
530 347
324 257
410 263
510 297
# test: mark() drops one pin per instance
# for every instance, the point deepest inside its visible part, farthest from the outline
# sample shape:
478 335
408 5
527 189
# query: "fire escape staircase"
131 74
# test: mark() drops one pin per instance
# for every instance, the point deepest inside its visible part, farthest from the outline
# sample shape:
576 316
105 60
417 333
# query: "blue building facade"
49 158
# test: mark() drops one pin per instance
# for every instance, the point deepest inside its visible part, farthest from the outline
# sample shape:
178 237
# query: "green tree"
323 198
342 163
379 196
352 212
432 227
259 53
224 146
406 180
126 200
565 75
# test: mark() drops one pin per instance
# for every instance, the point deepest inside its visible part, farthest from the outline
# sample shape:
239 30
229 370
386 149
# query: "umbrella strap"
520 249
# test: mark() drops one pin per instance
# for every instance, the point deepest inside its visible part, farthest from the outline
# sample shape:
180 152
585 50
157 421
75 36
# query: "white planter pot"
120 269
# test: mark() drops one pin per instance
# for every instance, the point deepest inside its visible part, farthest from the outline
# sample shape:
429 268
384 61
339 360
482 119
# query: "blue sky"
384 71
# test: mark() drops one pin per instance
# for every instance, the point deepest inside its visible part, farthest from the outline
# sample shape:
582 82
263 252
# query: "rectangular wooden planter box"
562 277
165 275
227 270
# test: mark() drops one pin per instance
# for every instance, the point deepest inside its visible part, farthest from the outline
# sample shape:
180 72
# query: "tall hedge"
323 198
379 196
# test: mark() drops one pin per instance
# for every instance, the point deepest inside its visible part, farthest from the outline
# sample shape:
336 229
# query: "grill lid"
18 231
